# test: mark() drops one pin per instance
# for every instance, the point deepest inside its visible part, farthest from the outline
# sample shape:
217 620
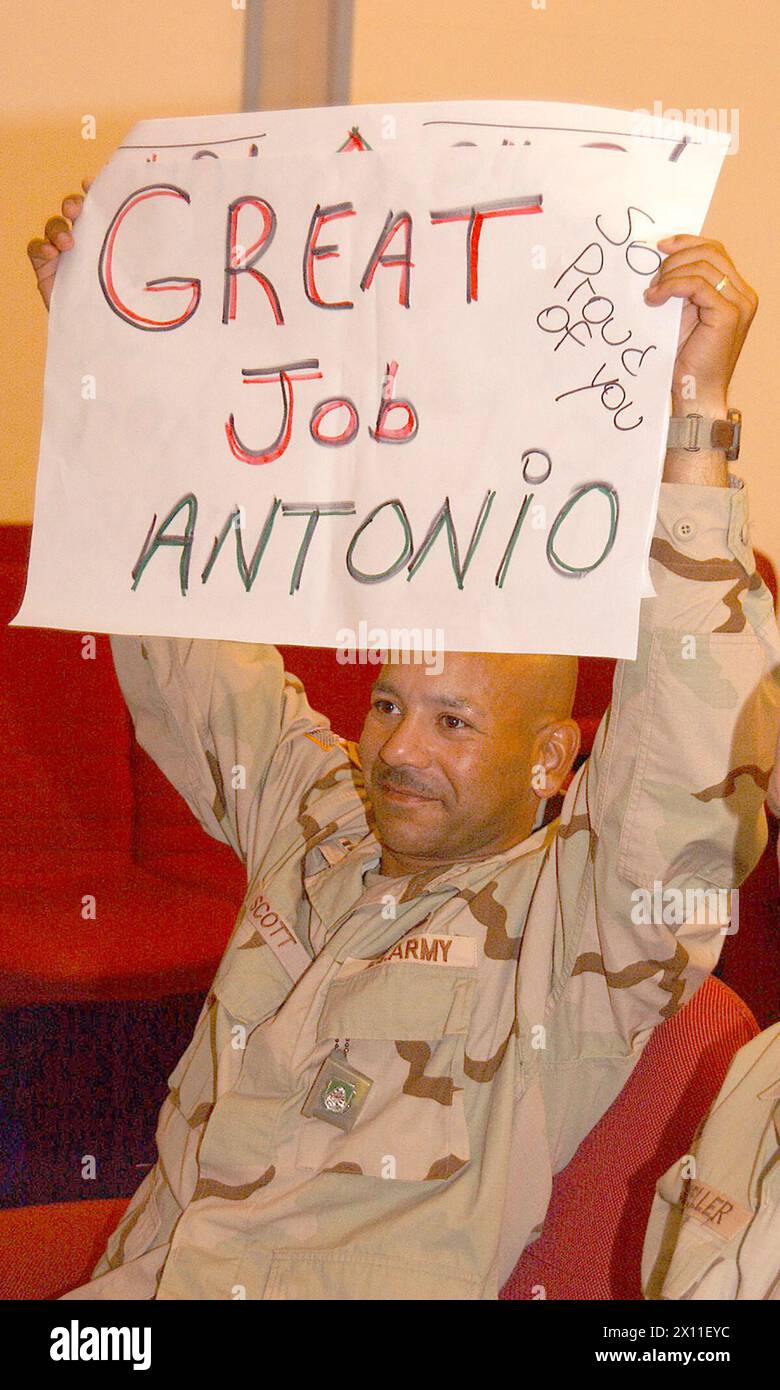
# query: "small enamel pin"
339 1091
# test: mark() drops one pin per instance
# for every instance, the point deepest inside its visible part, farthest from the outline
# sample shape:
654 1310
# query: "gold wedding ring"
721 283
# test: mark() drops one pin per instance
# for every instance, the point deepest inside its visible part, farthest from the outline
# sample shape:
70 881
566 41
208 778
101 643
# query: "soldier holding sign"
425 1004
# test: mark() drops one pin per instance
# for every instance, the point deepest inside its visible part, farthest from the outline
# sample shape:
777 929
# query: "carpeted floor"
82 1086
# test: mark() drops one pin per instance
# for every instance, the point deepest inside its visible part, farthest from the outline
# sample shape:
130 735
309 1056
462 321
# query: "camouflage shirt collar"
338 885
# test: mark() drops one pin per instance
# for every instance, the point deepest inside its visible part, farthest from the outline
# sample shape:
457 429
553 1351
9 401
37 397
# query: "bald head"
457 759
542 687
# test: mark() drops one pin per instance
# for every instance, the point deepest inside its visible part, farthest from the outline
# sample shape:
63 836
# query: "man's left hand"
714 323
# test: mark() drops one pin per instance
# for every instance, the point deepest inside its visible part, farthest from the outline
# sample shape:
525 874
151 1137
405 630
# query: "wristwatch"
696 432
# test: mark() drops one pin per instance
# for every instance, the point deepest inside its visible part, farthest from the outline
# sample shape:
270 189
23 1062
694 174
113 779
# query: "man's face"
447 757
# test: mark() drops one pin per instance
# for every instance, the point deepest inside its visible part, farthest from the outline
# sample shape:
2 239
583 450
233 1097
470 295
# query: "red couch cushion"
167 839
66 774
750 962
50 1250
150 936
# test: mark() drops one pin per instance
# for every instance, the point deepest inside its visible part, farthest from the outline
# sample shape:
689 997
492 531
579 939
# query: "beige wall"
692 54
117 60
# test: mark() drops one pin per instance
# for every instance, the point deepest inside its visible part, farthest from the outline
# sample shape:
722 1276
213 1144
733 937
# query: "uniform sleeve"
223 720
666 817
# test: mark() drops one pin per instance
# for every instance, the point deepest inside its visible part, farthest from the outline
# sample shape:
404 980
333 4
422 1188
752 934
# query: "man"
425 1005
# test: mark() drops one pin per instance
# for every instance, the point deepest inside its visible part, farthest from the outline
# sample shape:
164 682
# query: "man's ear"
555 748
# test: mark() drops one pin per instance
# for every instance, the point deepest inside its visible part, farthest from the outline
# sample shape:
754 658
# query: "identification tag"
338 1093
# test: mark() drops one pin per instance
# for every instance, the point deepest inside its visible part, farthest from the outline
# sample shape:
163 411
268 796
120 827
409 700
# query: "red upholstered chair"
48 1250
591 1245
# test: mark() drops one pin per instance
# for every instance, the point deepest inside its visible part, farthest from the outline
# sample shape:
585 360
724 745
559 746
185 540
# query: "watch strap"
695 432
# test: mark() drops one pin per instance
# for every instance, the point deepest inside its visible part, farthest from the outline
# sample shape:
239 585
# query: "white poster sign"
365 369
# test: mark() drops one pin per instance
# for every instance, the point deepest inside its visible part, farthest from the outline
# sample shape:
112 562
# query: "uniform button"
683 530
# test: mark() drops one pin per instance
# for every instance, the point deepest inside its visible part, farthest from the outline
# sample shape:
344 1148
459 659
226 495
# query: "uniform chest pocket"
406 1024
254 985
249 990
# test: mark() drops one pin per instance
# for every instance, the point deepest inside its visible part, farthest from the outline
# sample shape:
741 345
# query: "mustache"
402 782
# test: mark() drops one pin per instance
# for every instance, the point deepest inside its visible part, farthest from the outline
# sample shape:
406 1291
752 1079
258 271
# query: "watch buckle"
735 417
693 433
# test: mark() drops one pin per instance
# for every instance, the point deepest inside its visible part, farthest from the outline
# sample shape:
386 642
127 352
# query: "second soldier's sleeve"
666 817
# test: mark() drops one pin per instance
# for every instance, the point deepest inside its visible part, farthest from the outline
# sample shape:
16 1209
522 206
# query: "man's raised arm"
666 818
214 716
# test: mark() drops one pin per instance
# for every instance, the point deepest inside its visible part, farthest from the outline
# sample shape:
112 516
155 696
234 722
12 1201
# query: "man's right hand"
44 253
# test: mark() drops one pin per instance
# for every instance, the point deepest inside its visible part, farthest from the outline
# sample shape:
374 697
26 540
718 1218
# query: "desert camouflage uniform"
519 998
714 1229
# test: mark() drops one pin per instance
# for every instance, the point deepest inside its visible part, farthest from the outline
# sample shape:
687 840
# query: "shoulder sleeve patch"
326 739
